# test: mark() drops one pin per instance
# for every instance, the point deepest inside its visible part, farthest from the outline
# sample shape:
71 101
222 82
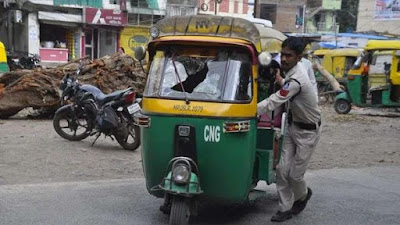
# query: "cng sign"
212 133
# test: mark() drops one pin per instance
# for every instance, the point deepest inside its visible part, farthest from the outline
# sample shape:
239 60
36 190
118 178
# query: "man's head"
292 49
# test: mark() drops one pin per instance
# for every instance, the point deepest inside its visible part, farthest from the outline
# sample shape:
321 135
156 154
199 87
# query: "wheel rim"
73 127
342 106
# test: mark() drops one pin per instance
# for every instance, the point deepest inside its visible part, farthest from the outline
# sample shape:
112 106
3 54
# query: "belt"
307 126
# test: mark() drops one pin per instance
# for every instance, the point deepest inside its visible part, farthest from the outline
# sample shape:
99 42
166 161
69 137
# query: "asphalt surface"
340 196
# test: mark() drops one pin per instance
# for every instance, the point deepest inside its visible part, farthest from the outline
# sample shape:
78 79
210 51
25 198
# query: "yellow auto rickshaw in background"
374 79
337 62
3 59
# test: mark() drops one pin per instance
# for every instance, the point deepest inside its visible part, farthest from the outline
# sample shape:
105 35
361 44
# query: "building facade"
379 16
285 15
321 16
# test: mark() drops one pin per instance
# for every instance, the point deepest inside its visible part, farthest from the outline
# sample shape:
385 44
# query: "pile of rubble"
39 88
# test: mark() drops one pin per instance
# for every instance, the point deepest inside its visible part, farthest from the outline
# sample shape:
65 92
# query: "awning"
60 17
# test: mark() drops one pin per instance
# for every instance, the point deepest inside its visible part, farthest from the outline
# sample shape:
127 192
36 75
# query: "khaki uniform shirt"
304 106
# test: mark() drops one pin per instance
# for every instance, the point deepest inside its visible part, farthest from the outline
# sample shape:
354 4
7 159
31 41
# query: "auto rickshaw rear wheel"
342 106
180 211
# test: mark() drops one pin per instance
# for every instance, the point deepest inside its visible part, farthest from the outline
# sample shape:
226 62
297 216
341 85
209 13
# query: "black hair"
294 43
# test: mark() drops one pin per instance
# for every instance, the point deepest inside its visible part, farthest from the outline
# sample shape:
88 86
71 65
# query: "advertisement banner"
106 17
387 10
131 37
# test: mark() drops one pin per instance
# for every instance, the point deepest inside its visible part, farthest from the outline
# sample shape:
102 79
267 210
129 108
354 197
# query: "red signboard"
106 17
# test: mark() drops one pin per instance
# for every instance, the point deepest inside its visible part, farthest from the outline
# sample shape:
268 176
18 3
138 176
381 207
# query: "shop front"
102 31
60 37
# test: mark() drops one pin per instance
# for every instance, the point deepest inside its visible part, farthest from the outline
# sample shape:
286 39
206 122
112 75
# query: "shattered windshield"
214 74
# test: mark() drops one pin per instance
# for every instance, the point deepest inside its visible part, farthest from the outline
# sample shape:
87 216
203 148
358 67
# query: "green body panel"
225 167
357 93
193 185
265 155
355 90
3 67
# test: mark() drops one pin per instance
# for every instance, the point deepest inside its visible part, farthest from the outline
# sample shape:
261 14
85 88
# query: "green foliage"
345 16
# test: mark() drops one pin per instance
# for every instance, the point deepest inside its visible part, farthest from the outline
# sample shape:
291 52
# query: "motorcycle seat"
104 98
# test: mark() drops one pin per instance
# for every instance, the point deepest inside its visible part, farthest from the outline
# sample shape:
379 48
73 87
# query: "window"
268 12
211 74
139 3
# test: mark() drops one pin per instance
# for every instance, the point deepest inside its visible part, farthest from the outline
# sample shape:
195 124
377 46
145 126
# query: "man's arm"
290 89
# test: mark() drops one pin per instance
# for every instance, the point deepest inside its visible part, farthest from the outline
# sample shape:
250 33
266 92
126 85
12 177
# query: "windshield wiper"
179 79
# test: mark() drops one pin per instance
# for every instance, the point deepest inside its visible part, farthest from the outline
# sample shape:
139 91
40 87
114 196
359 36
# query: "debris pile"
39 88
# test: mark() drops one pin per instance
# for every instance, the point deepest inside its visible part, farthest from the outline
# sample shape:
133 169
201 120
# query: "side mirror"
140 53
264 59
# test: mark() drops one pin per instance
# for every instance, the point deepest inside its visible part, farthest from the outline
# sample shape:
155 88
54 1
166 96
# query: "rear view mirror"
264 59
140 53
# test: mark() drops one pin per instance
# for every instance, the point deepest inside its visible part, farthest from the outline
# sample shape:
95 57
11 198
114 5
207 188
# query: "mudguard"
192 188
68 107
344 96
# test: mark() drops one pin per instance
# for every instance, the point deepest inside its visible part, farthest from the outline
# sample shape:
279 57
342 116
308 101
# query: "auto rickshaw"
200 134
3 59
374 80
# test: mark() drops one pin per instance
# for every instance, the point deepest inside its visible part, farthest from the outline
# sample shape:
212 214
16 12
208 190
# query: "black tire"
131 141
342 106
73 124
180 211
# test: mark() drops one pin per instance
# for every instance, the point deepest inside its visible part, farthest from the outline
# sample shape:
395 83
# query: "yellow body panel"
383 44
395 71
345 52
3 56
195 108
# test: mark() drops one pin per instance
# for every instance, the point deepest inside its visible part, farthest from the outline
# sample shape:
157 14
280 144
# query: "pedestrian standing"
303 130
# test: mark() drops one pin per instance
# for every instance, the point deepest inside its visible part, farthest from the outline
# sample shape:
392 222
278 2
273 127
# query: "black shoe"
281 216
299 205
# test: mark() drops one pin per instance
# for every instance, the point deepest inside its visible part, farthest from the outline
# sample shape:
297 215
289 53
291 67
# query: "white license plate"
134 108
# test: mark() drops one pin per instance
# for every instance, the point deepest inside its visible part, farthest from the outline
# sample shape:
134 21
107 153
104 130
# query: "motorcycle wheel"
131 141
70 127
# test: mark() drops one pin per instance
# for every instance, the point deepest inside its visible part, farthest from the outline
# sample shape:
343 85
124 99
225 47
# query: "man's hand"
278 79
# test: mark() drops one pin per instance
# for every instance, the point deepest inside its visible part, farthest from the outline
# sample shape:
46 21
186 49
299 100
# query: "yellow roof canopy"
383 44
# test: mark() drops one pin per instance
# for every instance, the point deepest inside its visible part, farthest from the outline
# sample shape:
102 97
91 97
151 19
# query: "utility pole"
215 6
335 26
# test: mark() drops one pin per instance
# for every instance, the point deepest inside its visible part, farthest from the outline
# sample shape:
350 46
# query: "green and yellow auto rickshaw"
200 134
337 62
374 80
3 59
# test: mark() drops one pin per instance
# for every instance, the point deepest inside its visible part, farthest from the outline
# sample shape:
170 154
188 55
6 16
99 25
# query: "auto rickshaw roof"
321 51
346 52
207 25
271 39
383 45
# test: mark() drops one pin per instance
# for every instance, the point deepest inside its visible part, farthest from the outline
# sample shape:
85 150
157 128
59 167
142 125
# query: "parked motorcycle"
91 112
15 61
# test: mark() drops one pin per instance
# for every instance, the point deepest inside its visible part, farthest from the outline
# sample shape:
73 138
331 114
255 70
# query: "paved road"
341 196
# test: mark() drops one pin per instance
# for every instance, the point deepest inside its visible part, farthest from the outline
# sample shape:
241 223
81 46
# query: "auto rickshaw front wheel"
342 106
180 211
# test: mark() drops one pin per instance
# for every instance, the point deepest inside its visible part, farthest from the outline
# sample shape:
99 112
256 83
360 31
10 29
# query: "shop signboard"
131 37
387 10
106 17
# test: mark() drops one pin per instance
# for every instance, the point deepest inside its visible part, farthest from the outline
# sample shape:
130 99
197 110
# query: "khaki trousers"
298 146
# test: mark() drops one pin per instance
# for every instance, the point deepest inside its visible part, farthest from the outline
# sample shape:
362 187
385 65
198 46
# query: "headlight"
181 174
154 32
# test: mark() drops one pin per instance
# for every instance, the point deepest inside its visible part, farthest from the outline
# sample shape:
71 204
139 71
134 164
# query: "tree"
347 16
